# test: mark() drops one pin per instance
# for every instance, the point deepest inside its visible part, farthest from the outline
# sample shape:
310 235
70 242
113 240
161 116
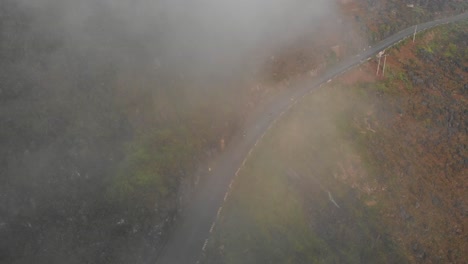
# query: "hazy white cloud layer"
194 36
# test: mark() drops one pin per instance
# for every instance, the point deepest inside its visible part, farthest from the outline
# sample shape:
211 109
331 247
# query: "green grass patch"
151 167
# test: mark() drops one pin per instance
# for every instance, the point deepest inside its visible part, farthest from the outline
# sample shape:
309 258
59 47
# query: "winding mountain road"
189 238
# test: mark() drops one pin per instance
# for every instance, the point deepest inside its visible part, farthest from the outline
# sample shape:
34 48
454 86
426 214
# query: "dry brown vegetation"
417 146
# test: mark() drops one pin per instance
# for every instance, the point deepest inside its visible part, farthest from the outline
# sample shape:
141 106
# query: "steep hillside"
104 130
415 143
360 23
380 18
369 169
94 143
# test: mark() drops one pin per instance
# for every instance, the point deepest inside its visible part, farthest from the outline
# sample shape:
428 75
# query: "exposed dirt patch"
429 37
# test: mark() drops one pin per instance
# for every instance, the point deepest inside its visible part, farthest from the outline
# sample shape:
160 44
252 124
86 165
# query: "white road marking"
212 227
204 245
243 162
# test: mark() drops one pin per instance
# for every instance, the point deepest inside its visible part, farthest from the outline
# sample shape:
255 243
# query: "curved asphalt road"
187 243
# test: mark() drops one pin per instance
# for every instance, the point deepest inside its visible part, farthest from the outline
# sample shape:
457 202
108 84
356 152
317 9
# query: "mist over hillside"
196 37
110 109
107 106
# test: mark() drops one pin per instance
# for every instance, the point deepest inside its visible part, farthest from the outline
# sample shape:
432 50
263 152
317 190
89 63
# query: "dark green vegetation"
366 171
93 141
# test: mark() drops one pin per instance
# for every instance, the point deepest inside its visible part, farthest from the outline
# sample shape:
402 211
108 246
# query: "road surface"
186 244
